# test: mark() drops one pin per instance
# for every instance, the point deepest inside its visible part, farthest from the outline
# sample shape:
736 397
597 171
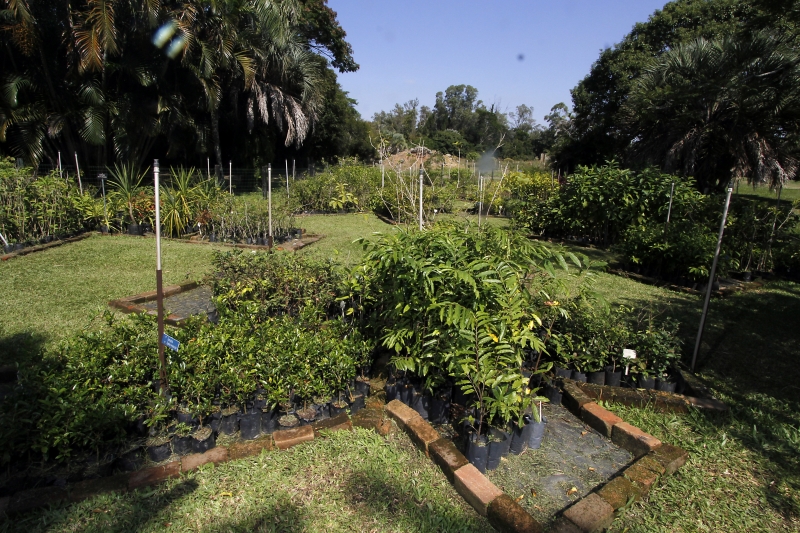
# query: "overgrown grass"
346 482
52 294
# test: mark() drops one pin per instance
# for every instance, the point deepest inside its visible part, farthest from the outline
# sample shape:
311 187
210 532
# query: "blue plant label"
170 342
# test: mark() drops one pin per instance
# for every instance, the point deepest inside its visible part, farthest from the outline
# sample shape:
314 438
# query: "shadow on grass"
749 358
406 502
23 348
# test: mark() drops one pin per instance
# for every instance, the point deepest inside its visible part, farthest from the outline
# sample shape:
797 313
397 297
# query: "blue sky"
513 52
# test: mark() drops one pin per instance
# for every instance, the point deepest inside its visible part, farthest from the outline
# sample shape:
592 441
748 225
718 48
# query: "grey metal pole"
420 197
287 178
103 186
159 284
230 177
78 171
711 278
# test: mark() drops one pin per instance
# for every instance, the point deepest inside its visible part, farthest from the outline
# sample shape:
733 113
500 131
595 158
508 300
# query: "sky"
514 52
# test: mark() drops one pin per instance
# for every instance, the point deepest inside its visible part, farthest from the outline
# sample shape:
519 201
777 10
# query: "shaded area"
572 461
188 303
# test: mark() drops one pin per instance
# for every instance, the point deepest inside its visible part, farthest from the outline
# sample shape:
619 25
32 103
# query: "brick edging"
31 499
593 512
42 247
665 402
132 304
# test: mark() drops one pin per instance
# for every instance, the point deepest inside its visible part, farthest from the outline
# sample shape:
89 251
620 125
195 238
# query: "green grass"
348 482
51 294
743 474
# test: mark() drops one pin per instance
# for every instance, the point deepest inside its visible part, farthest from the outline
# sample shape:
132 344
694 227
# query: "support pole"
60 169
269 202
420 197
711 278
480 198
292 169
208 166
78 170
669 209
287 178
163 386
230 177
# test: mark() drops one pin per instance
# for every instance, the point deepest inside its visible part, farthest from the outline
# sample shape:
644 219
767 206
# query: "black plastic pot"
18 246
288 421
537 433
421 403
520 435
250 424
553 394
357 403
579 376
406 393
337 409
306 416
215 419
159 452
186 418
362 387
645 382
182 445
563 372
666 385
499 442
135 229
203 440
440 406
8 248
229 424
597 378
130 461
477 451
104 229
747 276
391 389
613 378
269 420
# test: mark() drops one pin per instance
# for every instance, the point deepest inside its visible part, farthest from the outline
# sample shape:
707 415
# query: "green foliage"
346 186
33 207
278 283
456 301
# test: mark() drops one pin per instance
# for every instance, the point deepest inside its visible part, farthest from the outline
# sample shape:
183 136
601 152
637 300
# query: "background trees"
703 87
129 79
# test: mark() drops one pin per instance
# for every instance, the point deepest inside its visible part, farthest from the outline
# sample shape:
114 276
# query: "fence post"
264 183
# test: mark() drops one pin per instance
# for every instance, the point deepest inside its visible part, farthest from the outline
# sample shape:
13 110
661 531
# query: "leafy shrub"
455 302
347 186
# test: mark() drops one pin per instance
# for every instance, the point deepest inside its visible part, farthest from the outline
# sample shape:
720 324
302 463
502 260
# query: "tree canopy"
604 105
126 79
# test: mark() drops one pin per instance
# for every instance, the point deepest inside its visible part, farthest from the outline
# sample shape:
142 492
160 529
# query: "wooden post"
163 386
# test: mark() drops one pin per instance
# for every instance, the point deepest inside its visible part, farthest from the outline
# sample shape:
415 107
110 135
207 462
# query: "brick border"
595 511
132 304
42 247
31 499
665 402
591 513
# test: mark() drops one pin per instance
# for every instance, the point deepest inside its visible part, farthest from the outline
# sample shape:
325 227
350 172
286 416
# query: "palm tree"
720 109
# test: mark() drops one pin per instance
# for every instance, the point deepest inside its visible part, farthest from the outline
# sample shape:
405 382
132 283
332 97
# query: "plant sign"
628 354
170 342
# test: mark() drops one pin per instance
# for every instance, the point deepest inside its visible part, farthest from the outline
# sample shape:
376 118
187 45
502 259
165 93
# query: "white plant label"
628 354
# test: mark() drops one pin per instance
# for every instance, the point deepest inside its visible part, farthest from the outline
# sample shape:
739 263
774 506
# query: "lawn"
744 468
348 482
51 294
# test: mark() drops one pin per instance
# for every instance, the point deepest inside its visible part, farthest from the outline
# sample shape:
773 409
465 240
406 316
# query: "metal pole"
711 278
159 286
269 201
60 169
264 183
420 197
480 199
103 186
287 178
669 209
78 170
292 169
208 165
230 176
